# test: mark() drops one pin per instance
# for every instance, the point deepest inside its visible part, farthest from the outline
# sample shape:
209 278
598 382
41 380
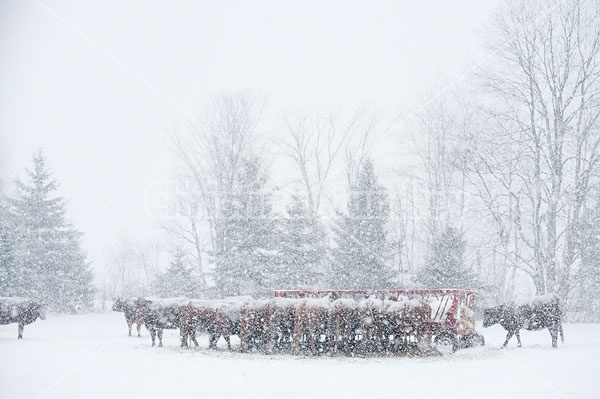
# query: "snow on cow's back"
13 305
130 301
314 303
371 303
155 302
9 305
260 303
238 300
393 306
284 303
13 300
233 305
402 304
348 303
203 303
253 304
537 300
414 303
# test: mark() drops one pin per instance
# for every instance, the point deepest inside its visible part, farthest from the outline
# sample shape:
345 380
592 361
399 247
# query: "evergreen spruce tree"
48 257
9 278
245 261
301 247
445 267
362 255
179 280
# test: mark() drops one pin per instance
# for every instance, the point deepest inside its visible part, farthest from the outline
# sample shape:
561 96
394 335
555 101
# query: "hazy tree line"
250 249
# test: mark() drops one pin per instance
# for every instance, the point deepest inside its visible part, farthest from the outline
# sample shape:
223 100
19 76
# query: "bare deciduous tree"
212 151
187 224
131 268
314 142
542 156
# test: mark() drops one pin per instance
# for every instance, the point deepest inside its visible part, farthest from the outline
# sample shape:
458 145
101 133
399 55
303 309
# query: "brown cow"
254 317
344 321
190 315
312 315
129 308
159 314
542 312
371 324
226 322
281 323
20 310
218 318
406 319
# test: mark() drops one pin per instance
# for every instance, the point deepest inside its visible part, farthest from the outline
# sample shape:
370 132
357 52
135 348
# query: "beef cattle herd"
296 325
368 325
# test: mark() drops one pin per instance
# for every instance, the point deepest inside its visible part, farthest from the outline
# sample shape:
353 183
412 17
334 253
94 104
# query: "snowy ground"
91 356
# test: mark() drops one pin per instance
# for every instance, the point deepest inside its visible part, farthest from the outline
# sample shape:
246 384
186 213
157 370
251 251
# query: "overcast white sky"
97 83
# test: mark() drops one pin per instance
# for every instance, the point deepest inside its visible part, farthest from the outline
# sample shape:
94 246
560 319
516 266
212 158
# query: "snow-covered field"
91 356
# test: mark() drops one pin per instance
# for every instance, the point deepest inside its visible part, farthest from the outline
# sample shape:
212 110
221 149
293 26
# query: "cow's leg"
518 335
153 335
348 342
212 340
21 327
312 344
270 340
193 336
368 342
554 334
508 337
160 335
243 342
286 337
139 328
334 341
296 341
342 341
183 333
378 342
129 324
228 340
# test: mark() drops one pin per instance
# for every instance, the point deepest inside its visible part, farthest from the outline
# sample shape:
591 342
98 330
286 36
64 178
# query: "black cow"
130 308
20 310
542 312
158 314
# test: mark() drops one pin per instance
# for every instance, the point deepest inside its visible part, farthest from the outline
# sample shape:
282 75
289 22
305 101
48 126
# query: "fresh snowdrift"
91 356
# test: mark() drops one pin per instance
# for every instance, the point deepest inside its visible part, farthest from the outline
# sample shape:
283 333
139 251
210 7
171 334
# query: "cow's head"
36 309
491 316
42 311
117 304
